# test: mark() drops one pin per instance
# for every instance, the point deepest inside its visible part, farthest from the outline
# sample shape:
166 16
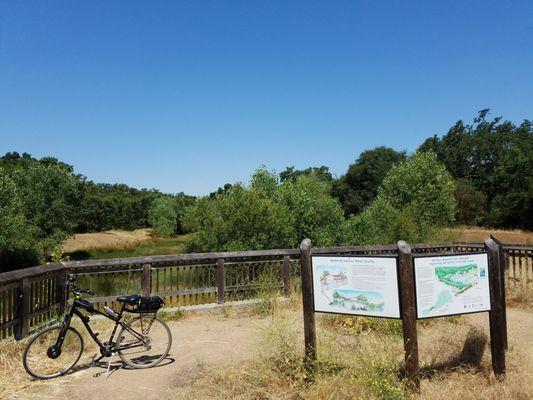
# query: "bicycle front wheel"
144 342
43 361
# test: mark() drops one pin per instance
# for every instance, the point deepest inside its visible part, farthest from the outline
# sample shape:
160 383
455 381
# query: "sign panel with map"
449 285
356 285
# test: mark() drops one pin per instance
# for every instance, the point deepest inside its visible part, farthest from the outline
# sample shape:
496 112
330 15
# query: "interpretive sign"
356 285
451 284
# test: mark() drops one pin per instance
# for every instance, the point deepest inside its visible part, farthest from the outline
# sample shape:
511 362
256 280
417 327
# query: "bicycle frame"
104 350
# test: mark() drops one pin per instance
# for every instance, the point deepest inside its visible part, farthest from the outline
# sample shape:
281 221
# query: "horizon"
187 97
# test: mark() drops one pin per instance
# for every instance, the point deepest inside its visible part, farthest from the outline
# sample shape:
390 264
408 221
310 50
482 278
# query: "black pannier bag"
149 304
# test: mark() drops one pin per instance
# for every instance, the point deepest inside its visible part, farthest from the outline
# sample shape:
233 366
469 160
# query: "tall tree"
358 187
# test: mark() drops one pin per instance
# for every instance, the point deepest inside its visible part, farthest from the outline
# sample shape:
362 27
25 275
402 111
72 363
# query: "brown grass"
476 234
359 359
107 239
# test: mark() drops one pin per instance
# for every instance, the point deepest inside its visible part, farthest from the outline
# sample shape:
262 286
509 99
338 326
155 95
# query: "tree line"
43 201
475 174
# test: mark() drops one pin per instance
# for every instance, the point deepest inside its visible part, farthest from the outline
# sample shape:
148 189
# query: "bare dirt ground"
474 234
198 343
107 239
216 343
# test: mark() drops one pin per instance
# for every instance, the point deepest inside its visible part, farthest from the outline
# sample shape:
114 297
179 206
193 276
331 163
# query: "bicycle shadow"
113 366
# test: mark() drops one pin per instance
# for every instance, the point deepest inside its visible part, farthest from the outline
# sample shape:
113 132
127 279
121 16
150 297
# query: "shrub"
163 216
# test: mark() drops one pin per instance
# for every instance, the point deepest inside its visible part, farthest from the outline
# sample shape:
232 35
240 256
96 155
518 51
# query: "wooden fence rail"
30 297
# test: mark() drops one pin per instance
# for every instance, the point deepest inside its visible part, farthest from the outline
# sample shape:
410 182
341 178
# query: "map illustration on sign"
356 285
448 285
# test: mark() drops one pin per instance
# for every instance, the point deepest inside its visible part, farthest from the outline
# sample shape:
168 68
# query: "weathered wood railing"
32 296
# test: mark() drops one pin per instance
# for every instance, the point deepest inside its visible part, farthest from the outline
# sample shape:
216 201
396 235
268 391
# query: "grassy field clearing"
119 244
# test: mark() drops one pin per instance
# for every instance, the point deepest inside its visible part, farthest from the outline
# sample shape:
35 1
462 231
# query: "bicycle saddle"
131 299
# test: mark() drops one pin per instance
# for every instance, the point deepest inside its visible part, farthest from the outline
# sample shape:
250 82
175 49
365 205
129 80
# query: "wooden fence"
30 297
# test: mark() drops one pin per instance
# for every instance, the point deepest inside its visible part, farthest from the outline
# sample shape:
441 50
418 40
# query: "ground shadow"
114 366
470 356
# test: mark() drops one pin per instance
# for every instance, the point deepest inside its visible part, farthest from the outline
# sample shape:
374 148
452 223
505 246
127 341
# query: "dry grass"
476 234
107 239
360 358
520 296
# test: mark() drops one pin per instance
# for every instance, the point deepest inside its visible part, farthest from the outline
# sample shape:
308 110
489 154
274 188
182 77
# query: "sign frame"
385 256
435 255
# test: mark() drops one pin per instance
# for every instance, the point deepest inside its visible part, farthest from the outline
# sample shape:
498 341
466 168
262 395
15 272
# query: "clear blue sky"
189 95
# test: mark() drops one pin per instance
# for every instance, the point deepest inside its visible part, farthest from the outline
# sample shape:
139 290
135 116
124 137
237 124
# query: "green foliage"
497 159
322 173
471 203
314 212
243 219
422 184
358 187
265 214
17 246
163 216
49 196
415 198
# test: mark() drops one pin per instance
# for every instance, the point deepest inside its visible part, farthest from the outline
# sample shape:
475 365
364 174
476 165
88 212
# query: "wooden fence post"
22 327
146 280
308 306
502 259
286 275
407 294
221 281
61 291
496 316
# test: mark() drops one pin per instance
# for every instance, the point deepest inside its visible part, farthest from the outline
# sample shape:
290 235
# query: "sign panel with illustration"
449 285
356 285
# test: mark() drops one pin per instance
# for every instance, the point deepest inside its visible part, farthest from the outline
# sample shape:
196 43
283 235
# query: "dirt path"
197 343
214 341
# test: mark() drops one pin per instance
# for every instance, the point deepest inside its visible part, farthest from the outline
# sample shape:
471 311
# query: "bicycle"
142 342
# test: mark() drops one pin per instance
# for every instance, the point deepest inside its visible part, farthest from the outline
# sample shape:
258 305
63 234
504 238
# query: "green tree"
291 174
163 216
49 197
242 219
497 158
358 187
17 246
471 203
315 213
415 198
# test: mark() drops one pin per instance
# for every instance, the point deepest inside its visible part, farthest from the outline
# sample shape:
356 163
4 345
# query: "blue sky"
189 95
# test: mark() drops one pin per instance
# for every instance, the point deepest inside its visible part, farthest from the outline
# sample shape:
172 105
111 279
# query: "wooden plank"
410 337
32 272
308 306
497 344
9 324
221 281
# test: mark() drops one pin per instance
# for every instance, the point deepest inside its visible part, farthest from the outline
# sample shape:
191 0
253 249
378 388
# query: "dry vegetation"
361 358
476 234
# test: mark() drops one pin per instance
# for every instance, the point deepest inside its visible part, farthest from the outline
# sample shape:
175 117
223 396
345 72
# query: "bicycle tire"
33 342
144 360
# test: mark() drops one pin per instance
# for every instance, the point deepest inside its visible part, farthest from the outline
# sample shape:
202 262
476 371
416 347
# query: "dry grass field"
475 234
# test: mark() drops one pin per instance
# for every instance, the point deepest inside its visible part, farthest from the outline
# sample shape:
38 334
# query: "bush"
266 214
416 198
163 216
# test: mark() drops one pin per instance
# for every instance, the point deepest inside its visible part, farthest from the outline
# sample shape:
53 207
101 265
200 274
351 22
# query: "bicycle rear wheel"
151 349
42 361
